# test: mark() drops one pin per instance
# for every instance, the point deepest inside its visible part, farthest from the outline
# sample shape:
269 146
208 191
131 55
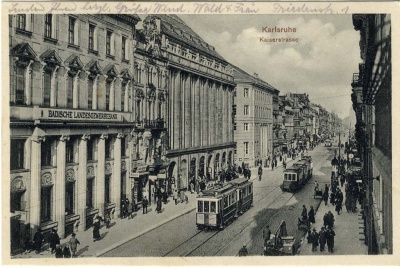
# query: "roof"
292 168
243 76
239 181
175 27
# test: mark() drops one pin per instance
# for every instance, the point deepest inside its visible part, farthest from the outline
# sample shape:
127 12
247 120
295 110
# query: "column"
126 97
186 114
59 185
178 128
100 178
81 181
116 175
75 91
28 90
34 210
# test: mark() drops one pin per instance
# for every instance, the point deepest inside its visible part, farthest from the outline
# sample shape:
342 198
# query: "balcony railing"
150 124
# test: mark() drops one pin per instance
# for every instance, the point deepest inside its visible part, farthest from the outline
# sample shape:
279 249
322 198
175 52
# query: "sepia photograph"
147 130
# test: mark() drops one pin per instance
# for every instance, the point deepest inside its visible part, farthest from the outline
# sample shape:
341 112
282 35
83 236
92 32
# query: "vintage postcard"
199 133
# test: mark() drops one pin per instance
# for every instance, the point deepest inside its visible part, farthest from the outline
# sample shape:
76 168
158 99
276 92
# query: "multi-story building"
70 114
253 119
371 98
286 104
199 97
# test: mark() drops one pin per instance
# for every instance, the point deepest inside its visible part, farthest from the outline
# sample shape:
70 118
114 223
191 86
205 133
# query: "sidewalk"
349 239
122 230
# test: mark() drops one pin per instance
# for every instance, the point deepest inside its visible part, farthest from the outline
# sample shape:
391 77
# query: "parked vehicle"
281 244
221 204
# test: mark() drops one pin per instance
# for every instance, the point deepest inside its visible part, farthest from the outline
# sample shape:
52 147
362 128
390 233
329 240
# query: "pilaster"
59 185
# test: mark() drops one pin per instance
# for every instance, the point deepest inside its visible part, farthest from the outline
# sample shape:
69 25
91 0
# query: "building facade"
253 119
70 108
372 94
199 98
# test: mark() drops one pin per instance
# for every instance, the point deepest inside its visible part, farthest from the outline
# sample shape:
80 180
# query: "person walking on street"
304 212
322 239
331 219
330 239
267 234
314 238
74 242
311 215
38 241
159 205
66 251
332 199
325 197
54 239
59 251
145 202
260 172
243 251
176 196
96 229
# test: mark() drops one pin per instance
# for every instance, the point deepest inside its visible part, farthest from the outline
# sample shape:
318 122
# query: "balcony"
150 124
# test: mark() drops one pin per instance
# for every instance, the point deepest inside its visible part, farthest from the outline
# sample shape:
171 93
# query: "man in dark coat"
96 229
243 251
330 239
311 215
331 219
67 251
38 240
54 239
267 233
145 203
325 197
159 205
59 251
322 239
304 212
314 238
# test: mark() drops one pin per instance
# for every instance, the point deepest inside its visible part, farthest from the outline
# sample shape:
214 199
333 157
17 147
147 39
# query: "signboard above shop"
76 115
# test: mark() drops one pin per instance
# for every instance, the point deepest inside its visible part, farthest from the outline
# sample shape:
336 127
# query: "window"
70 91
246 148
73 31
123 147
199 206
108 88
21 22
90 150
234 109
90 93
89 193
213 208
225 202
207 206
48 25
108 42
69 198
234 126
69 151
246 127
108 148
45 204
47 87
92 39
246 92
107 198
124 48
46 159
246 110
16 203
123 90
20 85
17 154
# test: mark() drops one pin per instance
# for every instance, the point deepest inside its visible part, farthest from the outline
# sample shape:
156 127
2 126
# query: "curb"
139 234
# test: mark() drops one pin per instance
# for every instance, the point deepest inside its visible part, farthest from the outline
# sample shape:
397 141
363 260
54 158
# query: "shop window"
45 204
69 198
17 156
89 193
46 157
107 198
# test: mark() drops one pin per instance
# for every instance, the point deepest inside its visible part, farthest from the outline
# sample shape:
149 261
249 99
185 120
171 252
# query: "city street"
180 237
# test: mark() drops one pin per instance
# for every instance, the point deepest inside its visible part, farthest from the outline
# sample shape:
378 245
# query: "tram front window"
206 206
213 209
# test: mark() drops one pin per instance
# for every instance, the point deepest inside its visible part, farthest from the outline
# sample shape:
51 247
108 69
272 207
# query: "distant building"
253 118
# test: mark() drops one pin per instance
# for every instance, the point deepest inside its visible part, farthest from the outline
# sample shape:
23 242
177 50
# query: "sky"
321 63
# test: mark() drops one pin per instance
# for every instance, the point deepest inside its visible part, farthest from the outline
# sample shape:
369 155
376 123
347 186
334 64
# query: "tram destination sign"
78 115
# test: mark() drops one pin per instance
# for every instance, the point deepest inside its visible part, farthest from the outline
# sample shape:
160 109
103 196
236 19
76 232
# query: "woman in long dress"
96 230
